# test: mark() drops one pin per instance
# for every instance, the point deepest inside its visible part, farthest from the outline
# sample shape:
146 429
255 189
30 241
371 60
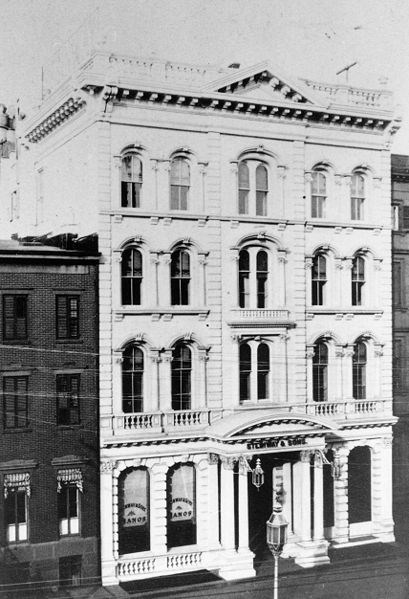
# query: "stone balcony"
259 317
178 422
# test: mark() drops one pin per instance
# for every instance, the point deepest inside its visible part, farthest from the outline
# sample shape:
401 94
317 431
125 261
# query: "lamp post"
276 539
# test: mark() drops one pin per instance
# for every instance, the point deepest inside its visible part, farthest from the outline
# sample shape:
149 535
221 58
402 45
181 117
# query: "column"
382 517
308 269
154 354
227 504
108 561
155 168
202 387
202 170
339 394
153 299
318 498
158 508
341 516
202 515
287 499
346 286
282 288
201 299
309 356
283 368
374 390
302 497
282 176
162 178
307 181
347 372
243 509
165 378
164 280
213 501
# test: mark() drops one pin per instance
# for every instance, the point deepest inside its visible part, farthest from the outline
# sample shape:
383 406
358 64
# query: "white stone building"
245 304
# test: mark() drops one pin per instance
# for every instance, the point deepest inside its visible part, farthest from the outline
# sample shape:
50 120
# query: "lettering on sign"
182 509
276 443
134 514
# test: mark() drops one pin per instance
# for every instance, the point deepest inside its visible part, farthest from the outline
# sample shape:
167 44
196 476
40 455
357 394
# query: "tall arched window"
131 277
181 505
261 190
318 279
320 372
359 359
357 196
263 371
357 280
179 183
253 187
132 379
245 372
181 377
253 278
134 511
131 181
244 188
318 194
180 278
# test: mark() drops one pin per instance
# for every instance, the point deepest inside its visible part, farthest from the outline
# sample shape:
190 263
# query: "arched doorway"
359 485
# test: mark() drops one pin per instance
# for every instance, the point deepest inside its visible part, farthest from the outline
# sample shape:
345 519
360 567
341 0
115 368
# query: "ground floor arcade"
191 504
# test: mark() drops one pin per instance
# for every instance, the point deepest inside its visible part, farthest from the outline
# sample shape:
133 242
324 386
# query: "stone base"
311 553
238 565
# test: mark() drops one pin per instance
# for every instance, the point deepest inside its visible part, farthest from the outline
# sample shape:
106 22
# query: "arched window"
179 183
320 372
132 379
131 277
357 196
261 190
181 505
134 511
263 371
131 181
245 372
359 359
180 278
181 377
244 188
253 278
252 187
318 280
357 280
318 194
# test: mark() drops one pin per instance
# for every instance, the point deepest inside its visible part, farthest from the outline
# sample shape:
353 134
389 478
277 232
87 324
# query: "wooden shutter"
8 316
8 403
405 217
62 317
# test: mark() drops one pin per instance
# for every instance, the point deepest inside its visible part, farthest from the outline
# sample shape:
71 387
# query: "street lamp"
276 539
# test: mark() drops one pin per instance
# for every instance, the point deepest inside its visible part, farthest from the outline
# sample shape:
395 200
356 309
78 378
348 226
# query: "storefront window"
181 505
134 511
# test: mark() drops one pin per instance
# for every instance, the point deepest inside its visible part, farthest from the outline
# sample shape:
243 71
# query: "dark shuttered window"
67 310
15 401
14 317
68 411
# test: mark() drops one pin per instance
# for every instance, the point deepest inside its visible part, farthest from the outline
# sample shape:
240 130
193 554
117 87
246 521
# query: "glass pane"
261 178
244 260
244 179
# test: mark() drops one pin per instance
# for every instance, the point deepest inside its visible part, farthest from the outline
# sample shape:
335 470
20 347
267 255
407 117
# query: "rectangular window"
15 401
130 194
68 412
70 570
14 317
317 206
68 510
357 205
398 372
397 284
15 511
67 316
404 221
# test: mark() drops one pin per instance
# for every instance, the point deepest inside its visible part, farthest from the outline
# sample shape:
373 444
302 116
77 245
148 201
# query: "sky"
304 38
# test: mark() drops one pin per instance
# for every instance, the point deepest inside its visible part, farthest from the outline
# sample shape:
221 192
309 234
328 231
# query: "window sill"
164 313
69 341
16 342
67 427
340 313
20 429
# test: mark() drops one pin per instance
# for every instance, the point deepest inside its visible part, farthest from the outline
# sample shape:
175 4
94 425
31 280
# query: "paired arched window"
134 511
320 372
357 280
254 371
357 196
318 194
318 279
131 277
180 277
131 181
132 379
179 183
181 505
181 368
252 187
253 277
359 361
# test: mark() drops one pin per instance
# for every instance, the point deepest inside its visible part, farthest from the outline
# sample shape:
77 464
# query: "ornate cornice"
61 114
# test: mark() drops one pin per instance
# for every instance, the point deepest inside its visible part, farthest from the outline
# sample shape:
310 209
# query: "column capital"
305 456
228 463
107 466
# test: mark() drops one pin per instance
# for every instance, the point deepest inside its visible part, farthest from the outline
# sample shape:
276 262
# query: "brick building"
245 304
49 510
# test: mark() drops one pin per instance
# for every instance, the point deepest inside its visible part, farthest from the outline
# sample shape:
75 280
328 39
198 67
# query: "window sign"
181 506
134 511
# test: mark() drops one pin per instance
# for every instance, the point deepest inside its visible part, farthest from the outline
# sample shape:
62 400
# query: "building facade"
49 467
245 304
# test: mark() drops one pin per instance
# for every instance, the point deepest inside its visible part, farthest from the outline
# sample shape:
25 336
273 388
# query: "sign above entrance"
277 443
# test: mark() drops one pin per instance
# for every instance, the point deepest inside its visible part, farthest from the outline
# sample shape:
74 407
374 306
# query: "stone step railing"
180 420
133 568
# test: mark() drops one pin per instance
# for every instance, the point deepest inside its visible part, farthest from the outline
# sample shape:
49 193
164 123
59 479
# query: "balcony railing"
183 420
131 568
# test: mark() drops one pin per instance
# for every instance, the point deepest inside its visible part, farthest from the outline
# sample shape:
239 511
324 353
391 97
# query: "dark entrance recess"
328 483
359 485
261 501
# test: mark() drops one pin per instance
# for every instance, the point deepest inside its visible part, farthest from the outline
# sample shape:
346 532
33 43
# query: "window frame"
132 542
180 283
251 368
16 378
64 501
359 371
319 196
182 377
320 372
134 281
358 280
249 187
70 399
357 198
250 296
134 184
176 184
137 377
181 533
69 319
20 527
319 279
15 336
